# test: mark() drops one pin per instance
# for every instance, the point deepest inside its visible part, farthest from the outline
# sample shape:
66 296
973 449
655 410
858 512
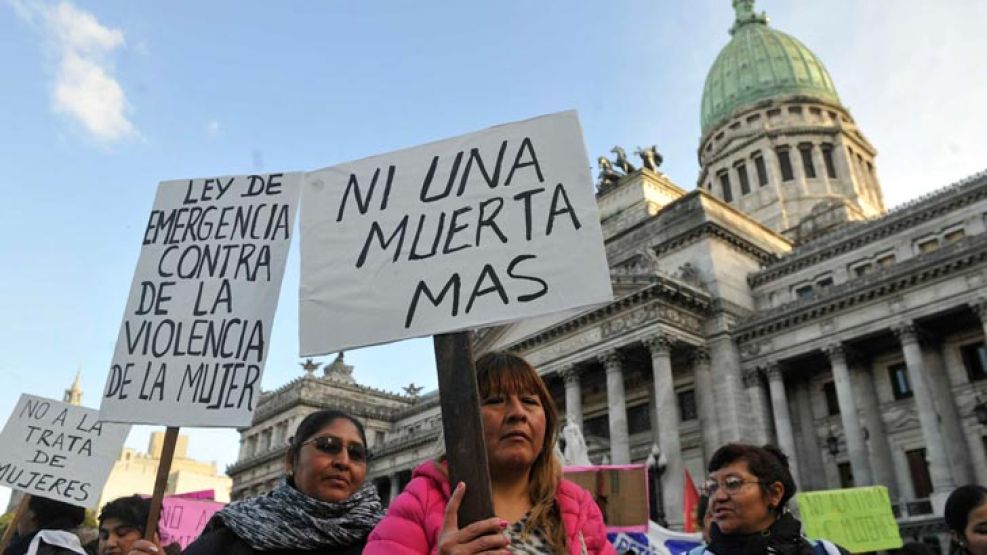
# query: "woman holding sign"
537 511
322 506
749 488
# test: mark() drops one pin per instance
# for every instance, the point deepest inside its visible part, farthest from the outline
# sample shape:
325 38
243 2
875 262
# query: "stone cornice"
854 237
677 293
714 230
413 440
882 283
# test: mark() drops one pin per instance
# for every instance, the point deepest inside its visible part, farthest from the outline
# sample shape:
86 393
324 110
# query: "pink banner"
182 518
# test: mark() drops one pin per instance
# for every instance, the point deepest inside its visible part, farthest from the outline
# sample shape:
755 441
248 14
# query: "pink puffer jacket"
414 519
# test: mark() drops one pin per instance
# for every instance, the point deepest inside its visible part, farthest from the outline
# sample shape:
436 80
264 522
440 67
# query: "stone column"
935 448
620 443
731 406
876 436
395 486
757 398
573 395
856 448
783 420
949 416
813 469
707 404
672 480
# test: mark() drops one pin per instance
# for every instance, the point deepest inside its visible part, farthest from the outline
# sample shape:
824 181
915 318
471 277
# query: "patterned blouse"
535 542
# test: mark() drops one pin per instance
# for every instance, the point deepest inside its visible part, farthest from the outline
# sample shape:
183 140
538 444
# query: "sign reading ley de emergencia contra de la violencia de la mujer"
476 230
197 325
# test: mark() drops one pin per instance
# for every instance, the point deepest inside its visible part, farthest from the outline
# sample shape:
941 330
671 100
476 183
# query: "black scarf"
288 519
783 537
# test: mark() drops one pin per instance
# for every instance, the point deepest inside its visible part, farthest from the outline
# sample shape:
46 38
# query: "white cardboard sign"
476 230
59 451
197 325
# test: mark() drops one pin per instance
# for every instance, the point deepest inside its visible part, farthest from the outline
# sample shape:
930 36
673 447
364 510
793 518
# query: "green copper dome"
759 63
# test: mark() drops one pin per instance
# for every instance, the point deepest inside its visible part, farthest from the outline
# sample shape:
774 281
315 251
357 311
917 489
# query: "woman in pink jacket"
537 510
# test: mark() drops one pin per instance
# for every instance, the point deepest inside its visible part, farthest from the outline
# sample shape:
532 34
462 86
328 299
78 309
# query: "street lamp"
832 443
980 410
656 466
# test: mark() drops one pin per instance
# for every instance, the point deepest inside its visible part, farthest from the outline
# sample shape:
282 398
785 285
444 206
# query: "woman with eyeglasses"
537 511
322 506
749 488
966 516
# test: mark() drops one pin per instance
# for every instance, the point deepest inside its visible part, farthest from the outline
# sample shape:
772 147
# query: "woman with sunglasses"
536 510
322 506
748 489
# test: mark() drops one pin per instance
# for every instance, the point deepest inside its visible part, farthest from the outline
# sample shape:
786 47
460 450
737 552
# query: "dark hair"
315 422
959 505
55 515
701 507
131 510
768 463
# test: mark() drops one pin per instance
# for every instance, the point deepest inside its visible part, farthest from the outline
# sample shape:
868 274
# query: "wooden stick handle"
161 481
12 527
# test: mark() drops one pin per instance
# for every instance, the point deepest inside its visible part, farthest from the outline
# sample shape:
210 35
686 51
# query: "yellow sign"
858 519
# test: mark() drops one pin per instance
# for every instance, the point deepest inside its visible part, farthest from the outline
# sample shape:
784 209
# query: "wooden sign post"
466 450
161 481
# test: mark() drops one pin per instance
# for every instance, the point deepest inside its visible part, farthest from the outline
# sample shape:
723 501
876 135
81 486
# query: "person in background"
749 488
46 529
321 507
537 511
122 522
966 517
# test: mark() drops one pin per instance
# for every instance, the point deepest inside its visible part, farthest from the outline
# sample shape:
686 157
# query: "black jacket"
221 539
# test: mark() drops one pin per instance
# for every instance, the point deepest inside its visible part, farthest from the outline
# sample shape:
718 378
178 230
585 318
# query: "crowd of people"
323 505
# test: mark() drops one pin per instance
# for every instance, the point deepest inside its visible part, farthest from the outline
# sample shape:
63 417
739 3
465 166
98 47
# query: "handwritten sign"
859 519
183 518
58 451
197 325
476 230
621 492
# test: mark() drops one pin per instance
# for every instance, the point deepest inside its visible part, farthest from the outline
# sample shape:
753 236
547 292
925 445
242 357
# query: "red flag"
690 504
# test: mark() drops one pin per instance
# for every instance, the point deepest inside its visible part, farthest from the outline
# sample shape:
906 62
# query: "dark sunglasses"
333 446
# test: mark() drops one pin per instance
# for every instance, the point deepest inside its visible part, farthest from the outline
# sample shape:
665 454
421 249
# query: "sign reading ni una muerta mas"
58 451
481 229
196 328
859 519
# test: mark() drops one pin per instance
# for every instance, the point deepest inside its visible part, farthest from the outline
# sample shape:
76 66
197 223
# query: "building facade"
776 302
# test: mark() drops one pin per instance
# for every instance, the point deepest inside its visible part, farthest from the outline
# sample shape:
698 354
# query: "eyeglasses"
731 485
333 446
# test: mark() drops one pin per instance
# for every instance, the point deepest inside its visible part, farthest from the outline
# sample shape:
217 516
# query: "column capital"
658 344
979 308
836 352
773 371
611 360
570 374
699 355
752 378
906 332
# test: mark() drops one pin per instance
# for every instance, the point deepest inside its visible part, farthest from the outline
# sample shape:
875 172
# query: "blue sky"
101 101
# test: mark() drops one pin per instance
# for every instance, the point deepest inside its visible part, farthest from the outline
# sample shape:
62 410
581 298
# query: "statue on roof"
622 162
608 177
338 370
650 158
413 390
309 366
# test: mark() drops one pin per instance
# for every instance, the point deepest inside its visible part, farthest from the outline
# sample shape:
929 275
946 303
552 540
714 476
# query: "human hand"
143 547
484 537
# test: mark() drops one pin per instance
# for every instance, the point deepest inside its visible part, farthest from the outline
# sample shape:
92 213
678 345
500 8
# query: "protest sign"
481 229
195 332
183 518
859 519
621 491
58 451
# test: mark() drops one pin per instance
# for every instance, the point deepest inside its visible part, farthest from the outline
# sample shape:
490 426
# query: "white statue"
576 453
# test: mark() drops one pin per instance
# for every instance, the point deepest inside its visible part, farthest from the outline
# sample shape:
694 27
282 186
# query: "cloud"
85 88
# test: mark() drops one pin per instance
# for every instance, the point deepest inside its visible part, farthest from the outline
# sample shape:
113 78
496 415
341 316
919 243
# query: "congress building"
777 301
